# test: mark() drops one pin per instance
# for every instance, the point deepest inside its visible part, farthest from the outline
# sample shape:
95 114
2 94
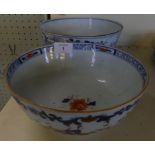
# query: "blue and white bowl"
86 89
81 30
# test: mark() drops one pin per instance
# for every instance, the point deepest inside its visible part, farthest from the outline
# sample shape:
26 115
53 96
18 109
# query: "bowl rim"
31 102
79 18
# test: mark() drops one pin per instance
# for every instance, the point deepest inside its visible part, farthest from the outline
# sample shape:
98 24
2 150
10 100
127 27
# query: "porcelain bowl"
81 30
81 90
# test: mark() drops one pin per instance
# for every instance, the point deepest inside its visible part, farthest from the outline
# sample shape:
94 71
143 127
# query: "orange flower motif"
103 49
78 104
29 55
88 119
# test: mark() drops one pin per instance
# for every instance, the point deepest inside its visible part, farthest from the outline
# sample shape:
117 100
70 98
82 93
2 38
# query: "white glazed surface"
80 27
74 123
108 40
82 30
99 76
45 76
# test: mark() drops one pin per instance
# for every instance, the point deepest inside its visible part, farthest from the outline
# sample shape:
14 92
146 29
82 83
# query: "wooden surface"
138 125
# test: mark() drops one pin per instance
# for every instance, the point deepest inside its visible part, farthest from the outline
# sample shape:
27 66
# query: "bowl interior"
100 79
80 27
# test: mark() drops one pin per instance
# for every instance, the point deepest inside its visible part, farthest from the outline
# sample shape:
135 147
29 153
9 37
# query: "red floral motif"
88 119
78 104
103 49
29 55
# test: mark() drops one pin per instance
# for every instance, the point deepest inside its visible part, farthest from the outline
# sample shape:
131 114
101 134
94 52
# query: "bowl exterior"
107 40
76 123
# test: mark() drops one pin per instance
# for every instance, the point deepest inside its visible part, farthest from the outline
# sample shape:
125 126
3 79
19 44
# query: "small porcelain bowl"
81 30
83 89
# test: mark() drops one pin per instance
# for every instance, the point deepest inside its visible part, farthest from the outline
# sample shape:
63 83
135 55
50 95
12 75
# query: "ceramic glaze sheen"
81 30
88 89
77 77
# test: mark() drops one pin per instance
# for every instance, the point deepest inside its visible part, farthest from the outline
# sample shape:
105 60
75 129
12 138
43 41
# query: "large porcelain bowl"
77 91
84 30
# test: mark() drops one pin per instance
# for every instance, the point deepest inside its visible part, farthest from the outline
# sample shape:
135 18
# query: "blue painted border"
79 46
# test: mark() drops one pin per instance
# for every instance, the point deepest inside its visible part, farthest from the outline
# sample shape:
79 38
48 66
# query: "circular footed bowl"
83 89
83 30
